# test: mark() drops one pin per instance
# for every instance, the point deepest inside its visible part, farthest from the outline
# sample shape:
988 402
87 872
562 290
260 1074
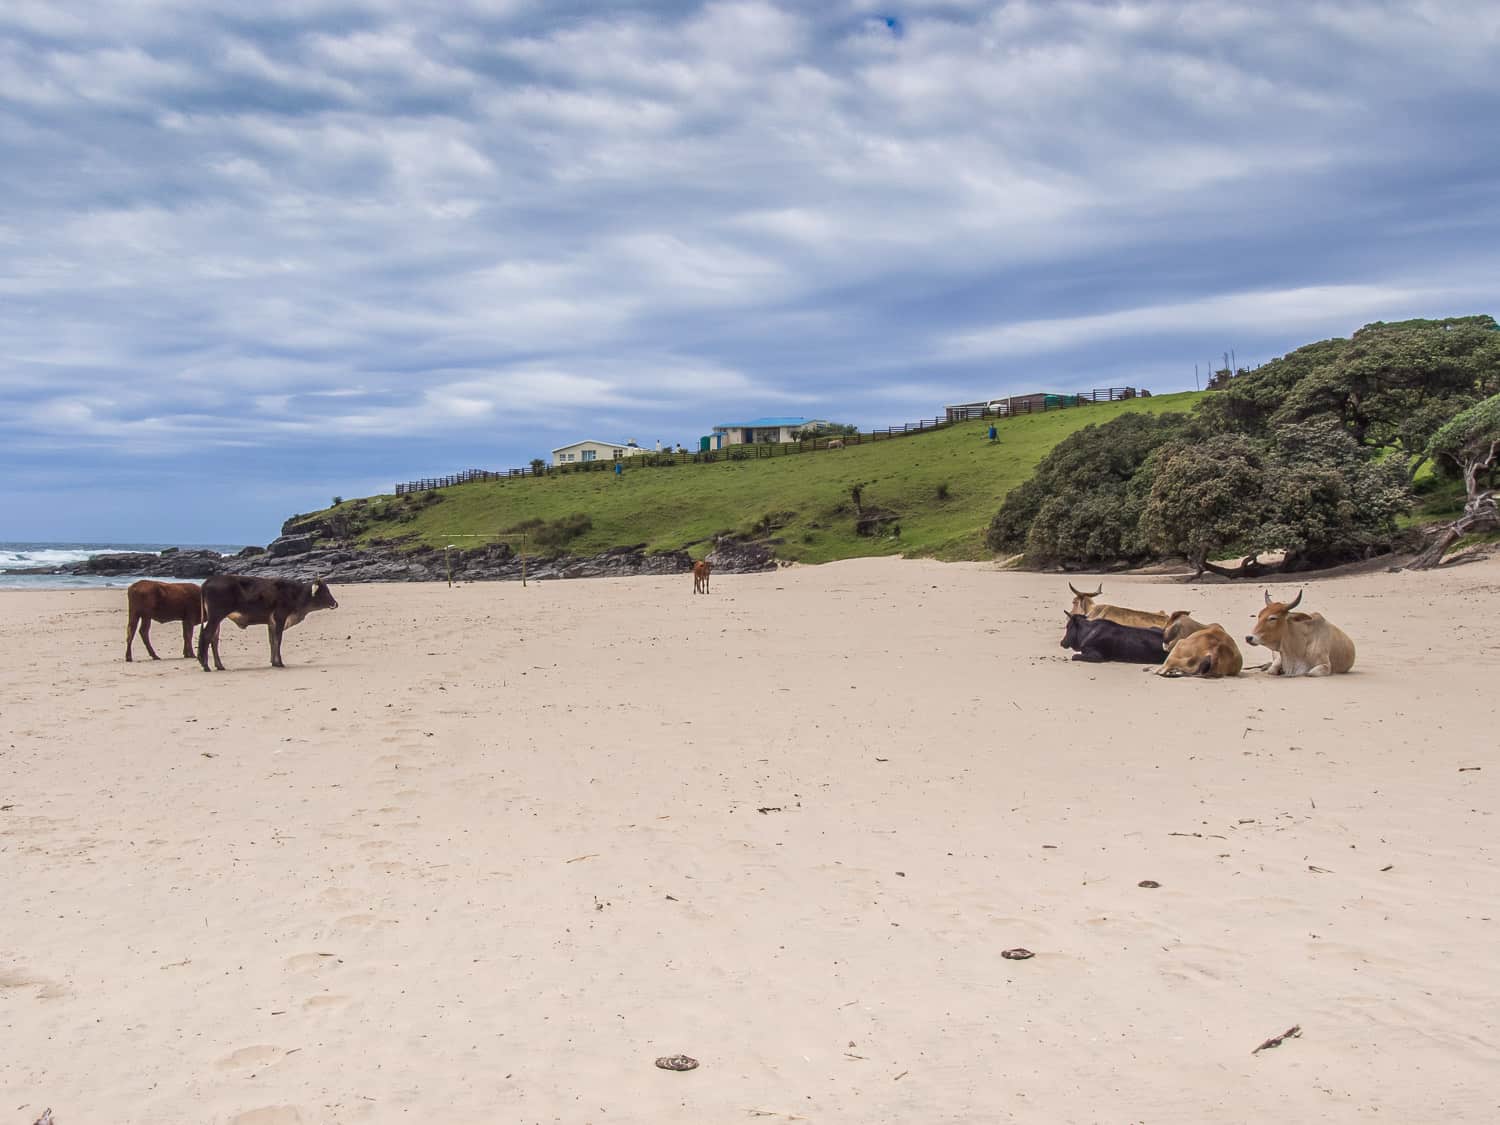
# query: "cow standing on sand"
162 601
1303 644
1136 618
276 603
701 571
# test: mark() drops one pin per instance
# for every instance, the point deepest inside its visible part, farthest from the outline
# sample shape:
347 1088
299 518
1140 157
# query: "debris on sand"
1293 1032
677 1062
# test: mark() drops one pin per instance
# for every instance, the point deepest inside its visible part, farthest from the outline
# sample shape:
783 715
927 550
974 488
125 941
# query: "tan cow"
150 601
1085 604
1303 644
836 443
1207 651
1180 624
701 571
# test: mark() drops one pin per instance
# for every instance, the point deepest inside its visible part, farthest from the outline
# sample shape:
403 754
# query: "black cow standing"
276 603
1098 640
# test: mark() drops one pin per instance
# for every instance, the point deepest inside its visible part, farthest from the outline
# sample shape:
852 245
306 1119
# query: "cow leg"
130 636
146 637
187 638
208 637
275 629
1090 656
1324 669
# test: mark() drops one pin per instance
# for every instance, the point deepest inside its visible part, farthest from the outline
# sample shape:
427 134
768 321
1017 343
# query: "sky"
253 256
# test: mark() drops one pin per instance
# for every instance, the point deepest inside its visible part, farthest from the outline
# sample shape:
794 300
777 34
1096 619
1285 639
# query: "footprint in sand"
364 921
311 962
45 989
252 1058
326 1000
269 1115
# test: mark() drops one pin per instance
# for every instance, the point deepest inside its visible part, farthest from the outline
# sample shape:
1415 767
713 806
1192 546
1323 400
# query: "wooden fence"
760 450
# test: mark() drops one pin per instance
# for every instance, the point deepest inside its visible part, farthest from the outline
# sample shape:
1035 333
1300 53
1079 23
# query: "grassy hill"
943 488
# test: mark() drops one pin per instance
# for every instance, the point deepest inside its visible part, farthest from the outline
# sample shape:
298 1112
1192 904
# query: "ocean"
15 555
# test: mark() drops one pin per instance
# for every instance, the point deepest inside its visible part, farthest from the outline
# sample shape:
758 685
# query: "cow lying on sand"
1198 650
1098 640
1303 644
1139 618
276 603
701 571
162 601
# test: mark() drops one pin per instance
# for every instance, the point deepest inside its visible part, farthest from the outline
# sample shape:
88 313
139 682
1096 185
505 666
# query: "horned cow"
150 601
701 570
276 603
1302 644
1085 604
1098 640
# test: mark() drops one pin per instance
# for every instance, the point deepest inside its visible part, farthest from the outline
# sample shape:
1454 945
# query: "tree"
538 466
1395 384
1077 509
1205 497
1469 443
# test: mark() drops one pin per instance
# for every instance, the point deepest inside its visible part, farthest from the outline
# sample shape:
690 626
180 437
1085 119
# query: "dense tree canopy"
1310 454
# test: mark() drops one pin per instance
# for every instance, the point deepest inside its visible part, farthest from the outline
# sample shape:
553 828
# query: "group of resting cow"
1301 644
276 603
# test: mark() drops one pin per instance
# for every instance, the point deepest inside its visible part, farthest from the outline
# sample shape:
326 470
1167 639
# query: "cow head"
1073 635
1179 624
1083 602
1270 625
322 596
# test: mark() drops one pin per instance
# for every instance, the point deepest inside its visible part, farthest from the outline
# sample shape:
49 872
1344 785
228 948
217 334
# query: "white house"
763 430
589 450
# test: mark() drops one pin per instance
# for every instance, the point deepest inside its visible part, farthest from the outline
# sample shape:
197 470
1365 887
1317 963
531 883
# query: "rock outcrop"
299 554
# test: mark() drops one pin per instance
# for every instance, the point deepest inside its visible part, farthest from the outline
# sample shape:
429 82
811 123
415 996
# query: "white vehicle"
1000 407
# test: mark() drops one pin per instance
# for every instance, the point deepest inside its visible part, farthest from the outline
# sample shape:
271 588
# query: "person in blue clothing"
994 433
619 468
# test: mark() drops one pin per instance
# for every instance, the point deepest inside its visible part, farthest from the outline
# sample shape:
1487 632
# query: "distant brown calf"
701 571
162 601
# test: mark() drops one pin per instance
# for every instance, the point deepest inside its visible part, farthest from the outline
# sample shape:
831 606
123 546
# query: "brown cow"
701 571
1180 624
162 601
276 603
1206 651
1303 644
1085 604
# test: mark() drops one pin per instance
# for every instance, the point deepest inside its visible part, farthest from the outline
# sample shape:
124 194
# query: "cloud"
346 235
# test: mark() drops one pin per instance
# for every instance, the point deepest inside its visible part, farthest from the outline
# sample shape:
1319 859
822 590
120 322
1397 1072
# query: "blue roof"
767 422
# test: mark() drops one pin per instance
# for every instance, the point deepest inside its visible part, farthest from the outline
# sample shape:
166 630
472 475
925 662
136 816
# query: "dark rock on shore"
299 557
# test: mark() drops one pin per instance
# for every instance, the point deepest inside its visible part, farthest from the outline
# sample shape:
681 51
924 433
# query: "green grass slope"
944 488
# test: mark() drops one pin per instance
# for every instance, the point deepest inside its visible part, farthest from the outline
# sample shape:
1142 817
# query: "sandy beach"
483 854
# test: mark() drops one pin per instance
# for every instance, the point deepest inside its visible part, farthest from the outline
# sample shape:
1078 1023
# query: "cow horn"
1081 594
1295 601
1268 597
